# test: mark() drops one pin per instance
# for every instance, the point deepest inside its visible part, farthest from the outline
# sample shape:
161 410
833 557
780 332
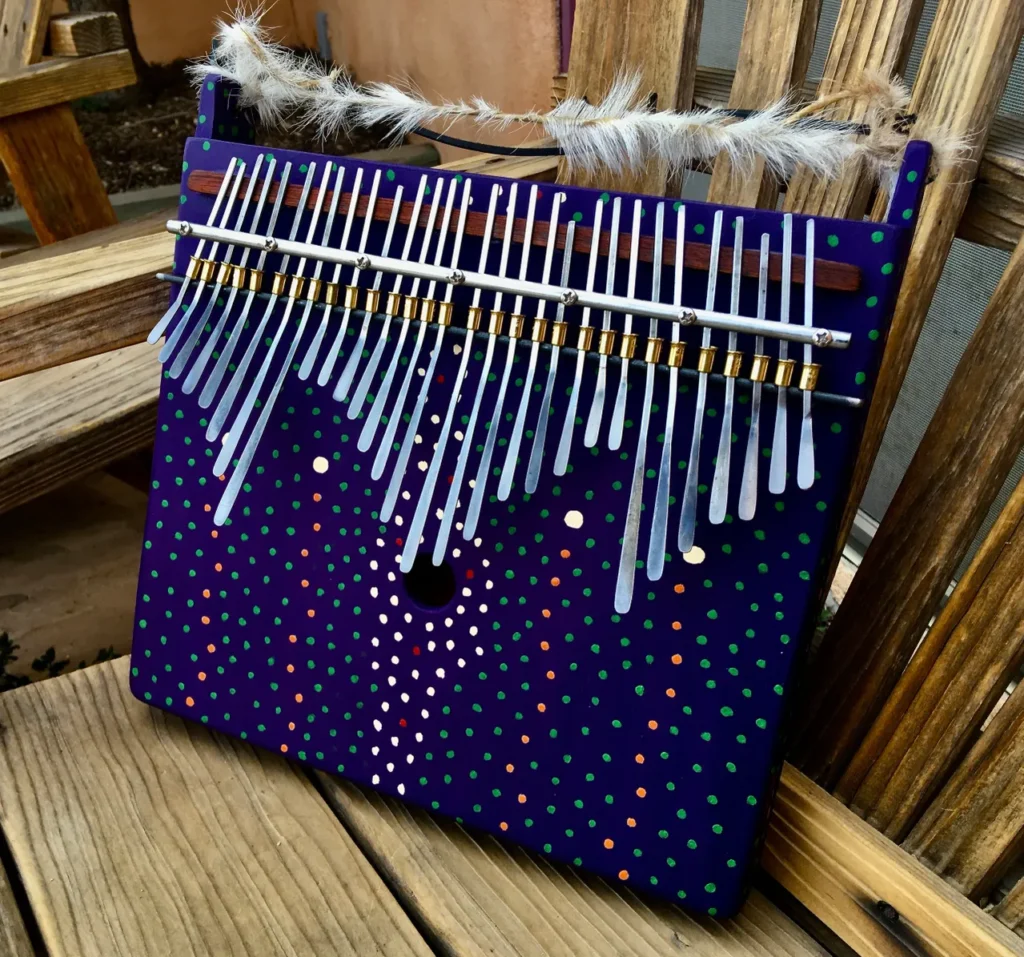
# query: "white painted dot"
377 725
486 563
694 556
320 464
391 680
488 584
449 622
479 650
384 706
225 437
375 665
440 674
456 552
375 641
375 750
430 691
391 576
574 518
383 618
461 662
457 348
408 617
415 674
460 609
429 626
409 759
401 788
419 736
450 645
473 631
458 435
394 659
405 698
373 592
466 592
436 419
375 779
422 465
390 766
394 744
398 636
394 599
373 565
406 495
398 520
417 439
483 608
478 542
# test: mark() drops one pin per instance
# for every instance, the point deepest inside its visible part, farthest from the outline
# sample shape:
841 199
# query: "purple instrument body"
503 688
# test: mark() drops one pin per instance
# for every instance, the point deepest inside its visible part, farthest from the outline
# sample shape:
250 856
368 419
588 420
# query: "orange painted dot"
676 625
293 638
556 581
623 875
206 508
641 792
211 648
542 707
639 759
316 526
510 768
218 567
311 613
305 553
298 697
671 692
679 589
206 593
546 613
213 533
202 676
305 583
190 701
284 748
291 725
551 675
317 496
631 821
653 725
222 477
291 667
205 619
609 843
544 646
677 659
503 825
565 553
522 798
525 739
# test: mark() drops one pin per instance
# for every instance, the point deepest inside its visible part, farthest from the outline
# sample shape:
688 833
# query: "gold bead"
410 307
627 348
516 322
706 360
313 289
444 313
238 277
278 283
372 300
606 342
223 274
733 361
195 264
351 297
809 376
206 271
427 310
295 290
331 293
759 367
784 372
393 305
559 330
584 337
496 322
676 351
255 280
539 330
652 353
473 317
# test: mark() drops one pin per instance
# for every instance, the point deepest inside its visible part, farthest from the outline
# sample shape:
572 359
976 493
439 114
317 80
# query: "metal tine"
748 484
238 277
508 469
723 463
171 342
515 330
245 459
631 535
659 523
366 379
569 424
158 330
805 457
373 417
419 519
348 373
593 430
688 516
306 366
332 356
619 409
223 276
443 320
231 440
452 502
227 399
777 467
380 460
540 431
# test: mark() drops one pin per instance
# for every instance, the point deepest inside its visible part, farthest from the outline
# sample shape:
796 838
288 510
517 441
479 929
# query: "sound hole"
429 585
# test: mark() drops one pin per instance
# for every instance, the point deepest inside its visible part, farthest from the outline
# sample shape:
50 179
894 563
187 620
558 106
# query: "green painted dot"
907 214
836 428
887 269
912 176
390 174
699 229
873 334
860 378
877 236
604 197
577 217
206 144
833 240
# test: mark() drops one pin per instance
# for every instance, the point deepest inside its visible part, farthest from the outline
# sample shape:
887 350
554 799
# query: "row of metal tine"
217 270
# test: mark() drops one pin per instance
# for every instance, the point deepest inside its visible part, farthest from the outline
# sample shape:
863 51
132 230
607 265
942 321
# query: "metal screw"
822 337
185 229
570 297
687 317
456 277
363 262
270 244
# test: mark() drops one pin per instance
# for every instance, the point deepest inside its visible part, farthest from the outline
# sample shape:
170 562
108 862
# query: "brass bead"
444 313
238 277
733 361
539 331
652 353
427 310
784 372
351 297
278 283
516 322
584 337
676 351
627 348
410 307
393 305
295 289
473 317
496 322
706 360
313 289
606 342
559 330
195 264
223 274
809 376
206 270
759 367
372 300
331 293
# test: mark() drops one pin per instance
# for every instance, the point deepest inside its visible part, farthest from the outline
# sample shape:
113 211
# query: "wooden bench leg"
53 174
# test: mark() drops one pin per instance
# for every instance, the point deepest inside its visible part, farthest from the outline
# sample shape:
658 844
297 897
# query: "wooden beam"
841 869
786 28
22 32
85 34
995 213
963 71
658 38
62 80
14 939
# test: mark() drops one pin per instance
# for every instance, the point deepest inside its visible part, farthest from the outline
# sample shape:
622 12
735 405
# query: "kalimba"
512 500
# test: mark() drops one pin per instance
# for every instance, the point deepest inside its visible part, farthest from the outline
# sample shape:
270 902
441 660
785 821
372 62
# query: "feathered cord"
618 133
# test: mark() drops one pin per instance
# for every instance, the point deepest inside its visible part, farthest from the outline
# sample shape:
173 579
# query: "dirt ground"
136 137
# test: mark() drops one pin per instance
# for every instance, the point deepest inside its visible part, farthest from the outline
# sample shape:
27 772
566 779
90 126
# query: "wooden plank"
100 297
1010 910
475 895
963 71
14 939
870 36
995 213
947 689
69 564
63 423
974 829
786 28
85 34
53 174
22 32
137 833
840 868
659 39
62 80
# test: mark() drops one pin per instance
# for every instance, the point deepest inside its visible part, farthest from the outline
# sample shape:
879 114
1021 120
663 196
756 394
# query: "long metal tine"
805 458
748 484
619 409
777 468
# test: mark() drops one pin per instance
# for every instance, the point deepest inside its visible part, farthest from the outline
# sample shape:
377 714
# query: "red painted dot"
469 573
415 649
398 542
403 723
440 379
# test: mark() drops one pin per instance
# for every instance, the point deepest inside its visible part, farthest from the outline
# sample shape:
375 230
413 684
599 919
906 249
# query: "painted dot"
609 843
833 240
860 378
887 269
871 302
320 464
877 236
574 518
641 792
694 556
677 659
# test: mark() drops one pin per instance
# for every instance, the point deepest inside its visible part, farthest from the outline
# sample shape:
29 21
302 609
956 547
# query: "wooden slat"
64 423
136 833
974 829
14 939
103 296
476 896
69 565
995 213
870 36
963 71
85 34
948 689
840 868
62 80
658 38
1010 910
22 32
786 28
